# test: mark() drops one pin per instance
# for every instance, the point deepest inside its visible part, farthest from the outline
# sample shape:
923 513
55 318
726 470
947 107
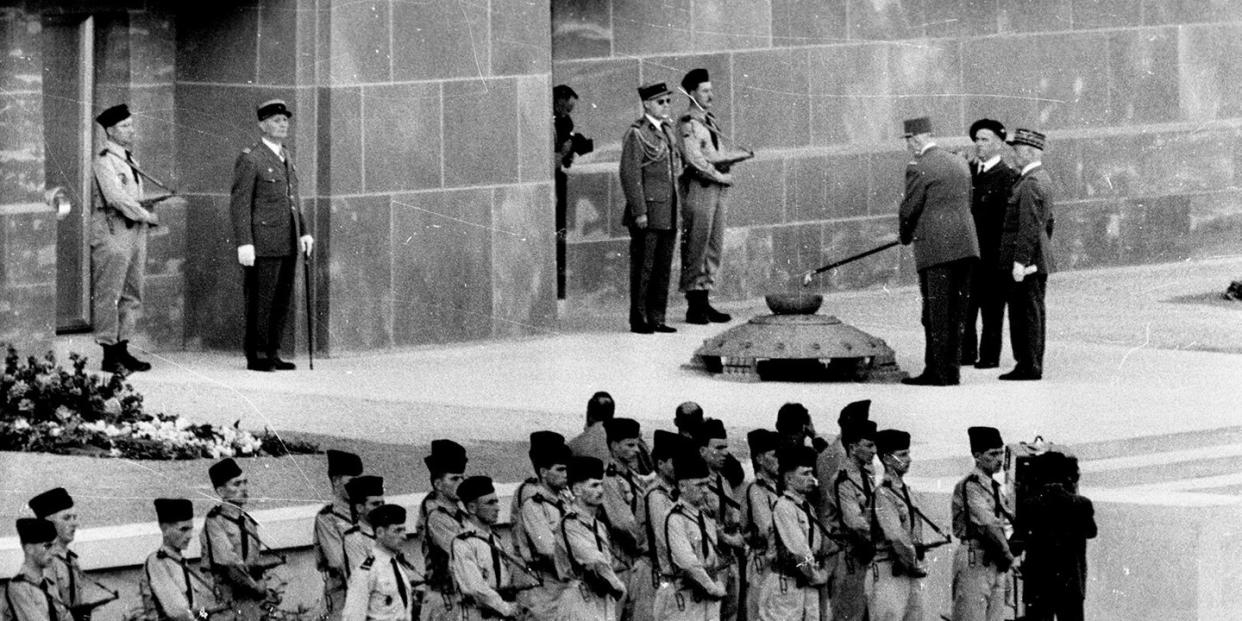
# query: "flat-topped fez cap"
446 456
551 456
990 124
984 439
474 488
651 91
272 107
360 488
619 429
223 471
854 412
113 115
544 440
35 530
666 444
169 510
688 465
694 78
342 463
794 457
856 431
384 516
792 417
51 501
913 127
711 429
762 441
448 448
584 469
1029 137
890 440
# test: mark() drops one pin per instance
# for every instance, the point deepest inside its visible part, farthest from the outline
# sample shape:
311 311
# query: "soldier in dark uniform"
380 590
331 523
171 589
65 572
650 164
991 180
1054 567
29 595
269 230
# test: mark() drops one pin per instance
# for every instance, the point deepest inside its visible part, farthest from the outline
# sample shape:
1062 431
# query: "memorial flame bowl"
794 303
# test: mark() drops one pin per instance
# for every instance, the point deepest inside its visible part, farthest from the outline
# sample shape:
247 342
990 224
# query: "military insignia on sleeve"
367 563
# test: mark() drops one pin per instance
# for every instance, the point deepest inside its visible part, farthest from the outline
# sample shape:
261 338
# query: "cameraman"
567 145
1061 521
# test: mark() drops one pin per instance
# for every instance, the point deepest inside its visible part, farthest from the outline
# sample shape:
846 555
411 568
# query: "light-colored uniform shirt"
119 186
380 589
171 588
479 573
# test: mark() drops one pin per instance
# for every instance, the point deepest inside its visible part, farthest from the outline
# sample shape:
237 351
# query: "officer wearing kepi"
171 589
29 595
981 511
380 590
331 523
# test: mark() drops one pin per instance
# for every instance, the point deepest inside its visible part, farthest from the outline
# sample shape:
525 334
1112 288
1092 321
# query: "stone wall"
1139 98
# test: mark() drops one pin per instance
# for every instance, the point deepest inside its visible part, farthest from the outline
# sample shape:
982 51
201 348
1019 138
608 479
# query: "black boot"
127 359
712 314
111 362
695 311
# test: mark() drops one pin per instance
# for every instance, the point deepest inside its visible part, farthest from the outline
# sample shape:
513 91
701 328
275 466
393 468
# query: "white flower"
114 452
54 431
20 424
112 406
63 413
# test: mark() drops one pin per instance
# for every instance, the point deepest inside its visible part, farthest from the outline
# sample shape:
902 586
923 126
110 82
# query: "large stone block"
214 123
166 243
153 47
607 101
1144 84
849 237
480 136
926 80
1063 160
278 32
887 182
1092 14
1180 163
1110 167
806 188
442 266
583 28
21 131
155 135
523 260
361 266
214 308
339 156
730 280
162 324
441 40
519 38
1087 234
534 99
401 131
598 273
885 20
771 98
587 213
29 248
960 18
28 317
1154 230
731 24
1215 223
807 22
1159 12
755 265
1209 71
850 94
1035 15
359 42
217 42
23 52
758 193
640 28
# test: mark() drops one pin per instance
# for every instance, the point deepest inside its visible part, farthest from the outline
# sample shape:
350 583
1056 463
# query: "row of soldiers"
817 533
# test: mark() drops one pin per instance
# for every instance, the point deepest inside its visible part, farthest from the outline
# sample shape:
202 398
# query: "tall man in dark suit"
935 217
1026 248
269 230
650 163
991 179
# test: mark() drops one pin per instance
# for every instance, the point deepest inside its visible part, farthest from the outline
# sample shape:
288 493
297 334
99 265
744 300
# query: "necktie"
129 158
401 586
189 588
491 547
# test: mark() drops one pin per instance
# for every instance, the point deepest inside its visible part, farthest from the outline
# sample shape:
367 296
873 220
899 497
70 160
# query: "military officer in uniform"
442 518
171 589
380 590
650 164
1026 250
623 493
538 506
713 443
479 566
758 500
331 523
897 576
981 512
231 543
691 589
366 493
657 502
65 572
790 591
584 551
269 231
30 595
850 518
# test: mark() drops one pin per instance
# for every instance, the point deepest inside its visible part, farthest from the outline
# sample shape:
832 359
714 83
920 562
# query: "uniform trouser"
243 608
894 598
439 606
651 261
268 290
644 590
848 588
1027 326
680 604
334 603
702 234
732 580
945 289
756 572
543 601
987 304
979 588
580 604
118 255
781 599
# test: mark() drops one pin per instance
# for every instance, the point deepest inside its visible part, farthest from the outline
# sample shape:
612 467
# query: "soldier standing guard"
231 545
29 595
172 590
758 501
366 493
539 505
850 517
380 590
442 518
657 502
691 588
980 513
331 523
623 493
713 444
790 591
479 566
897 576
584 550
56 506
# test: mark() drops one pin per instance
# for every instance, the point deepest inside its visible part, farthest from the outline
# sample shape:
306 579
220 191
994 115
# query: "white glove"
245 255
307 243
1019 271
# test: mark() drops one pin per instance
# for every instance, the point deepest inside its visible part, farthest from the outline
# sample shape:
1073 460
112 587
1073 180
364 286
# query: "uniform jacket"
798 540
66 573
853 493
1027 232
1056 556
582 546
230 541
329 539
440 521
693 548
980 510
357 543
650 164
657 502
380 589
117 187
700 146
32 597
171 588
537 513
757 504
935 212
264 202
901 530
479 573
623 494
989 199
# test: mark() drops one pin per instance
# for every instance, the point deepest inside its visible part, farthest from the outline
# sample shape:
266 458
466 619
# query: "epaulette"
214 512
539 499
103 152
367 563
685 118
352 529
532 480
70 554
326 510
611 471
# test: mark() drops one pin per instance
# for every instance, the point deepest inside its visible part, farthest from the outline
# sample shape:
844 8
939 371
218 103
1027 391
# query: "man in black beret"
758 499
623 491
1026 251
366 493
790 589
331 523
441 518
231 542
981 510
479 560
935 218
56 506
991 179
584 550
30 594
170 587
538 506
380 587
713 443
897 585
269 231
650 164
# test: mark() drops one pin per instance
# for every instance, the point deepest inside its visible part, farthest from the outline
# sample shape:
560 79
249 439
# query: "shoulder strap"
574 565
146 569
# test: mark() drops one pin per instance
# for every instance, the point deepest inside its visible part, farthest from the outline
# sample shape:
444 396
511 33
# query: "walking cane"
806 278
307 280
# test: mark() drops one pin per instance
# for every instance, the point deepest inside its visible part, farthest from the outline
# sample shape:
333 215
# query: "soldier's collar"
170 553
115 148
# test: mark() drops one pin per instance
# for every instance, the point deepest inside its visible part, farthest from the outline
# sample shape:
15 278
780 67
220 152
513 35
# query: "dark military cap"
474 488
653 90
169 510
984 439
1029 137
223 471
989 124
688 465
794 457
360 488
711 429
547 448
890 440
792 417
762 441
856 411
35 530
272 107
563 91
856 431
51 501
689 416
694 78
913 127
341 463
113 115
384 516
446 456
667 444
619 429
584 469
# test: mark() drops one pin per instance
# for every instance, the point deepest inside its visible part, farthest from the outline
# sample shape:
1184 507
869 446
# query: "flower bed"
46 408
